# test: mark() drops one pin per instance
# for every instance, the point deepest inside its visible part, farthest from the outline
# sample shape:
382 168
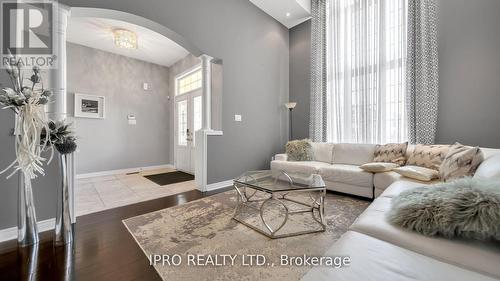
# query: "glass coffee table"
267 200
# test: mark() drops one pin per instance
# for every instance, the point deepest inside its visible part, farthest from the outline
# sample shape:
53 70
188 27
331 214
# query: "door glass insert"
182 124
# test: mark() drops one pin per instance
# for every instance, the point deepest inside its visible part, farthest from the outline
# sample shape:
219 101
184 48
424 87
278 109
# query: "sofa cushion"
300 167
428 156
322 152
374 259
353 153
490 168
349 174
391 153
489 152
478 256
399 186
384 180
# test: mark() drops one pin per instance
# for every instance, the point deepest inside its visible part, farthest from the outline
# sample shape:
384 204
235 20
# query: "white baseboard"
123 171
219 185
11 233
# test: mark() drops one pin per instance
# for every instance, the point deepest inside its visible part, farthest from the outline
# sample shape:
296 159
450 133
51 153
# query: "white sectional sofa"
338 164
381 251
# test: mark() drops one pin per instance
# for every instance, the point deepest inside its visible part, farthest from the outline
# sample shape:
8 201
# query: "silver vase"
27 228
27 258
64 228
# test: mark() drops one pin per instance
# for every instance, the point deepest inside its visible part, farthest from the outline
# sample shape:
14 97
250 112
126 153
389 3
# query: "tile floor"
106 192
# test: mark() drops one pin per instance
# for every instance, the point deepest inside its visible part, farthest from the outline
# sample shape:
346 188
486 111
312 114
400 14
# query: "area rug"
204 228
170 178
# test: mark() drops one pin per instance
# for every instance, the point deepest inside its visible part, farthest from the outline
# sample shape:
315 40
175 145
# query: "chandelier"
125 39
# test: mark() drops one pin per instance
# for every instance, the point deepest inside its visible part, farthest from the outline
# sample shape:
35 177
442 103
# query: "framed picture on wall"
89 106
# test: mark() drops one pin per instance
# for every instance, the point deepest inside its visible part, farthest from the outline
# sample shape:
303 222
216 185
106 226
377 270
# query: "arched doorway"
59 78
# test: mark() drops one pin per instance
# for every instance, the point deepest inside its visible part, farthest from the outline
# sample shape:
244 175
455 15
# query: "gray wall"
111 143
254 50
300 82
469 70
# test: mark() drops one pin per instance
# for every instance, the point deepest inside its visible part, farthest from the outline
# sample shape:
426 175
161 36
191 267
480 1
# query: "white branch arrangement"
34 134
28 104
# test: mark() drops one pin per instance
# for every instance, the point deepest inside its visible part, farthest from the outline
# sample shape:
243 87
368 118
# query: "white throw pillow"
379 167
418 173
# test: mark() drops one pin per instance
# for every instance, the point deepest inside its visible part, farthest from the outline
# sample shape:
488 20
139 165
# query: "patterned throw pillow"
391 153
461 161
299 150
428 156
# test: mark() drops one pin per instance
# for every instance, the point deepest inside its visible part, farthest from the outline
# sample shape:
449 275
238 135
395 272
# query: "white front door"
188 120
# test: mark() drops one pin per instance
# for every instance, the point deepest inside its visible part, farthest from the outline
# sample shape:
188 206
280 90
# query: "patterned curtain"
422 88
318 114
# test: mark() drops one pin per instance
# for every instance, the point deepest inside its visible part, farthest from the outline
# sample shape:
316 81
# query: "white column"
57 108
201 135
206 70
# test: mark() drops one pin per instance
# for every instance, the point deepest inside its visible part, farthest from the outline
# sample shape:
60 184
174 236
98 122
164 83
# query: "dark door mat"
170 178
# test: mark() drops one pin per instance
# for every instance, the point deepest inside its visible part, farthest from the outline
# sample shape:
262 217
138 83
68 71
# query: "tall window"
366 48
189 82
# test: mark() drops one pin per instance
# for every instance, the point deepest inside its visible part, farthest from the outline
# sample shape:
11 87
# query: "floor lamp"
290 106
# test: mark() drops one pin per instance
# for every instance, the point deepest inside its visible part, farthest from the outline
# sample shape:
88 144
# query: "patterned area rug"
204 227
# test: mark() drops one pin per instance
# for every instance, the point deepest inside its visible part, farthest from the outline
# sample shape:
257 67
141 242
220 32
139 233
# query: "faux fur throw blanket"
465 208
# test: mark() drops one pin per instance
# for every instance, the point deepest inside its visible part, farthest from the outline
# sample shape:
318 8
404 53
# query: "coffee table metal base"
317 195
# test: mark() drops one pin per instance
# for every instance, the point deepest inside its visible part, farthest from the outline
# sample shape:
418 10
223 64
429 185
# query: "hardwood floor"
103 249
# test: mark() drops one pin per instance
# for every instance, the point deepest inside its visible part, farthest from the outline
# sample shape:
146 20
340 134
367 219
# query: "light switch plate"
131 119
237 118
145 86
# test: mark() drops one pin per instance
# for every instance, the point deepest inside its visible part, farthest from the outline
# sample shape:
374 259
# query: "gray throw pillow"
464 208
299 150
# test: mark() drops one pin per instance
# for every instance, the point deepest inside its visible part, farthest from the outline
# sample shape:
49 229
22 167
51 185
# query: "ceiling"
288 12
98 33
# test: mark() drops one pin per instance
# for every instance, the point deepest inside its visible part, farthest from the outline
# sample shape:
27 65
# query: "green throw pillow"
299 150
464 208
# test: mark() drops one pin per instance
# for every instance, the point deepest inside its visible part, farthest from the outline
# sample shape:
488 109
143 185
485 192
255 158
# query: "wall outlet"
237 118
